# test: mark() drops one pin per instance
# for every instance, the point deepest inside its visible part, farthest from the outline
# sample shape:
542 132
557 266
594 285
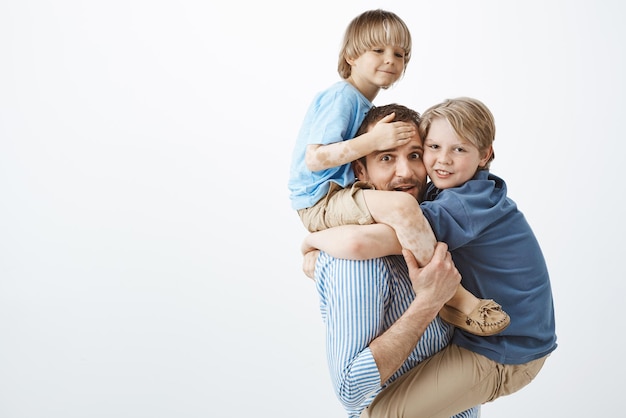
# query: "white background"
149 258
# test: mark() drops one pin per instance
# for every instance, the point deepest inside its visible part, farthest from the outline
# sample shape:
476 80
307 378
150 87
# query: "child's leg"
401 211
449 382
463 300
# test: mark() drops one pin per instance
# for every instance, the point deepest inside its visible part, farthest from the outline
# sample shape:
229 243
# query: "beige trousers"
339 207
451 381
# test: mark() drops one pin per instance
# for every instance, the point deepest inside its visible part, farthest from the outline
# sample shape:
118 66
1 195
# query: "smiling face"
450 160
373 30
377 68
397 169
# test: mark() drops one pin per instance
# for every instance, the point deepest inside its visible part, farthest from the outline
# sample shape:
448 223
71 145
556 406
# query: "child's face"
380 66
450 161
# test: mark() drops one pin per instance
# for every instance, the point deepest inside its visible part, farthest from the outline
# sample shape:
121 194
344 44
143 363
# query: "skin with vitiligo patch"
386 134
401 211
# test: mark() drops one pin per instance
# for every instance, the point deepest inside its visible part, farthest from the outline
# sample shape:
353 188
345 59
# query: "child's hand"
387 134
308 263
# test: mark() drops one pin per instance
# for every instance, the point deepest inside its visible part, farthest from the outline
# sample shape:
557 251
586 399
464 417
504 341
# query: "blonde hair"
470 119
371 29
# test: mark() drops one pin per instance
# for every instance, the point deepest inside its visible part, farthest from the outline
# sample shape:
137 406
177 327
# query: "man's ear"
359 170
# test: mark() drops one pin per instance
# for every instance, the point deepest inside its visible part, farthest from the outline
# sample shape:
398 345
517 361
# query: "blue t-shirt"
335 115
499 258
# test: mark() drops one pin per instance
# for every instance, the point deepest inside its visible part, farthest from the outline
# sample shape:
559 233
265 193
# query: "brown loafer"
487 318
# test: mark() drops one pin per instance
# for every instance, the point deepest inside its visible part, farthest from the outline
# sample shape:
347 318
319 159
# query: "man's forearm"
391 349
434 285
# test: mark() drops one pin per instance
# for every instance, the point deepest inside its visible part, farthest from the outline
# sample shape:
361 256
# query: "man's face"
400 169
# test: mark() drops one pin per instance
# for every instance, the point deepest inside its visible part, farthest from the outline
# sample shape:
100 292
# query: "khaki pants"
451 381
339 207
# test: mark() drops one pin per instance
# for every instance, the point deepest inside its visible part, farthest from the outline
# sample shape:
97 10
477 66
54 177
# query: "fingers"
388 118
441 252
443 257
405 131
308 263
411 262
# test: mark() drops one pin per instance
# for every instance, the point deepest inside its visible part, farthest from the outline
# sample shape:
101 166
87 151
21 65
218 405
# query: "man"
380 321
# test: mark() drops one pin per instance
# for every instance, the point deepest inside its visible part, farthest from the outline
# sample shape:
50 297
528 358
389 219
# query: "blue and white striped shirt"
359 300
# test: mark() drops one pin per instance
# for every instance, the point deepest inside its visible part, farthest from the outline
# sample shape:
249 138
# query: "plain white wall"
149 258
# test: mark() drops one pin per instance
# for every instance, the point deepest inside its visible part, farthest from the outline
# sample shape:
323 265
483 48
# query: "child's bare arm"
354 242
384 135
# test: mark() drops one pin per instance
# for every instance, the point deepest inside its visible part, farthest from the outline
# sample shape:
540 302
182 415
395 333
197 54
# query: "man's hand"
437 282
434 285
308 263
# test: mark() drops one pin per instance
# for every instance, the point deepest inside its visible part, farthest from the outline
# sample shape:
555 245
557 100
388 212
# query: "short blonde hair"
368 30
470 119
